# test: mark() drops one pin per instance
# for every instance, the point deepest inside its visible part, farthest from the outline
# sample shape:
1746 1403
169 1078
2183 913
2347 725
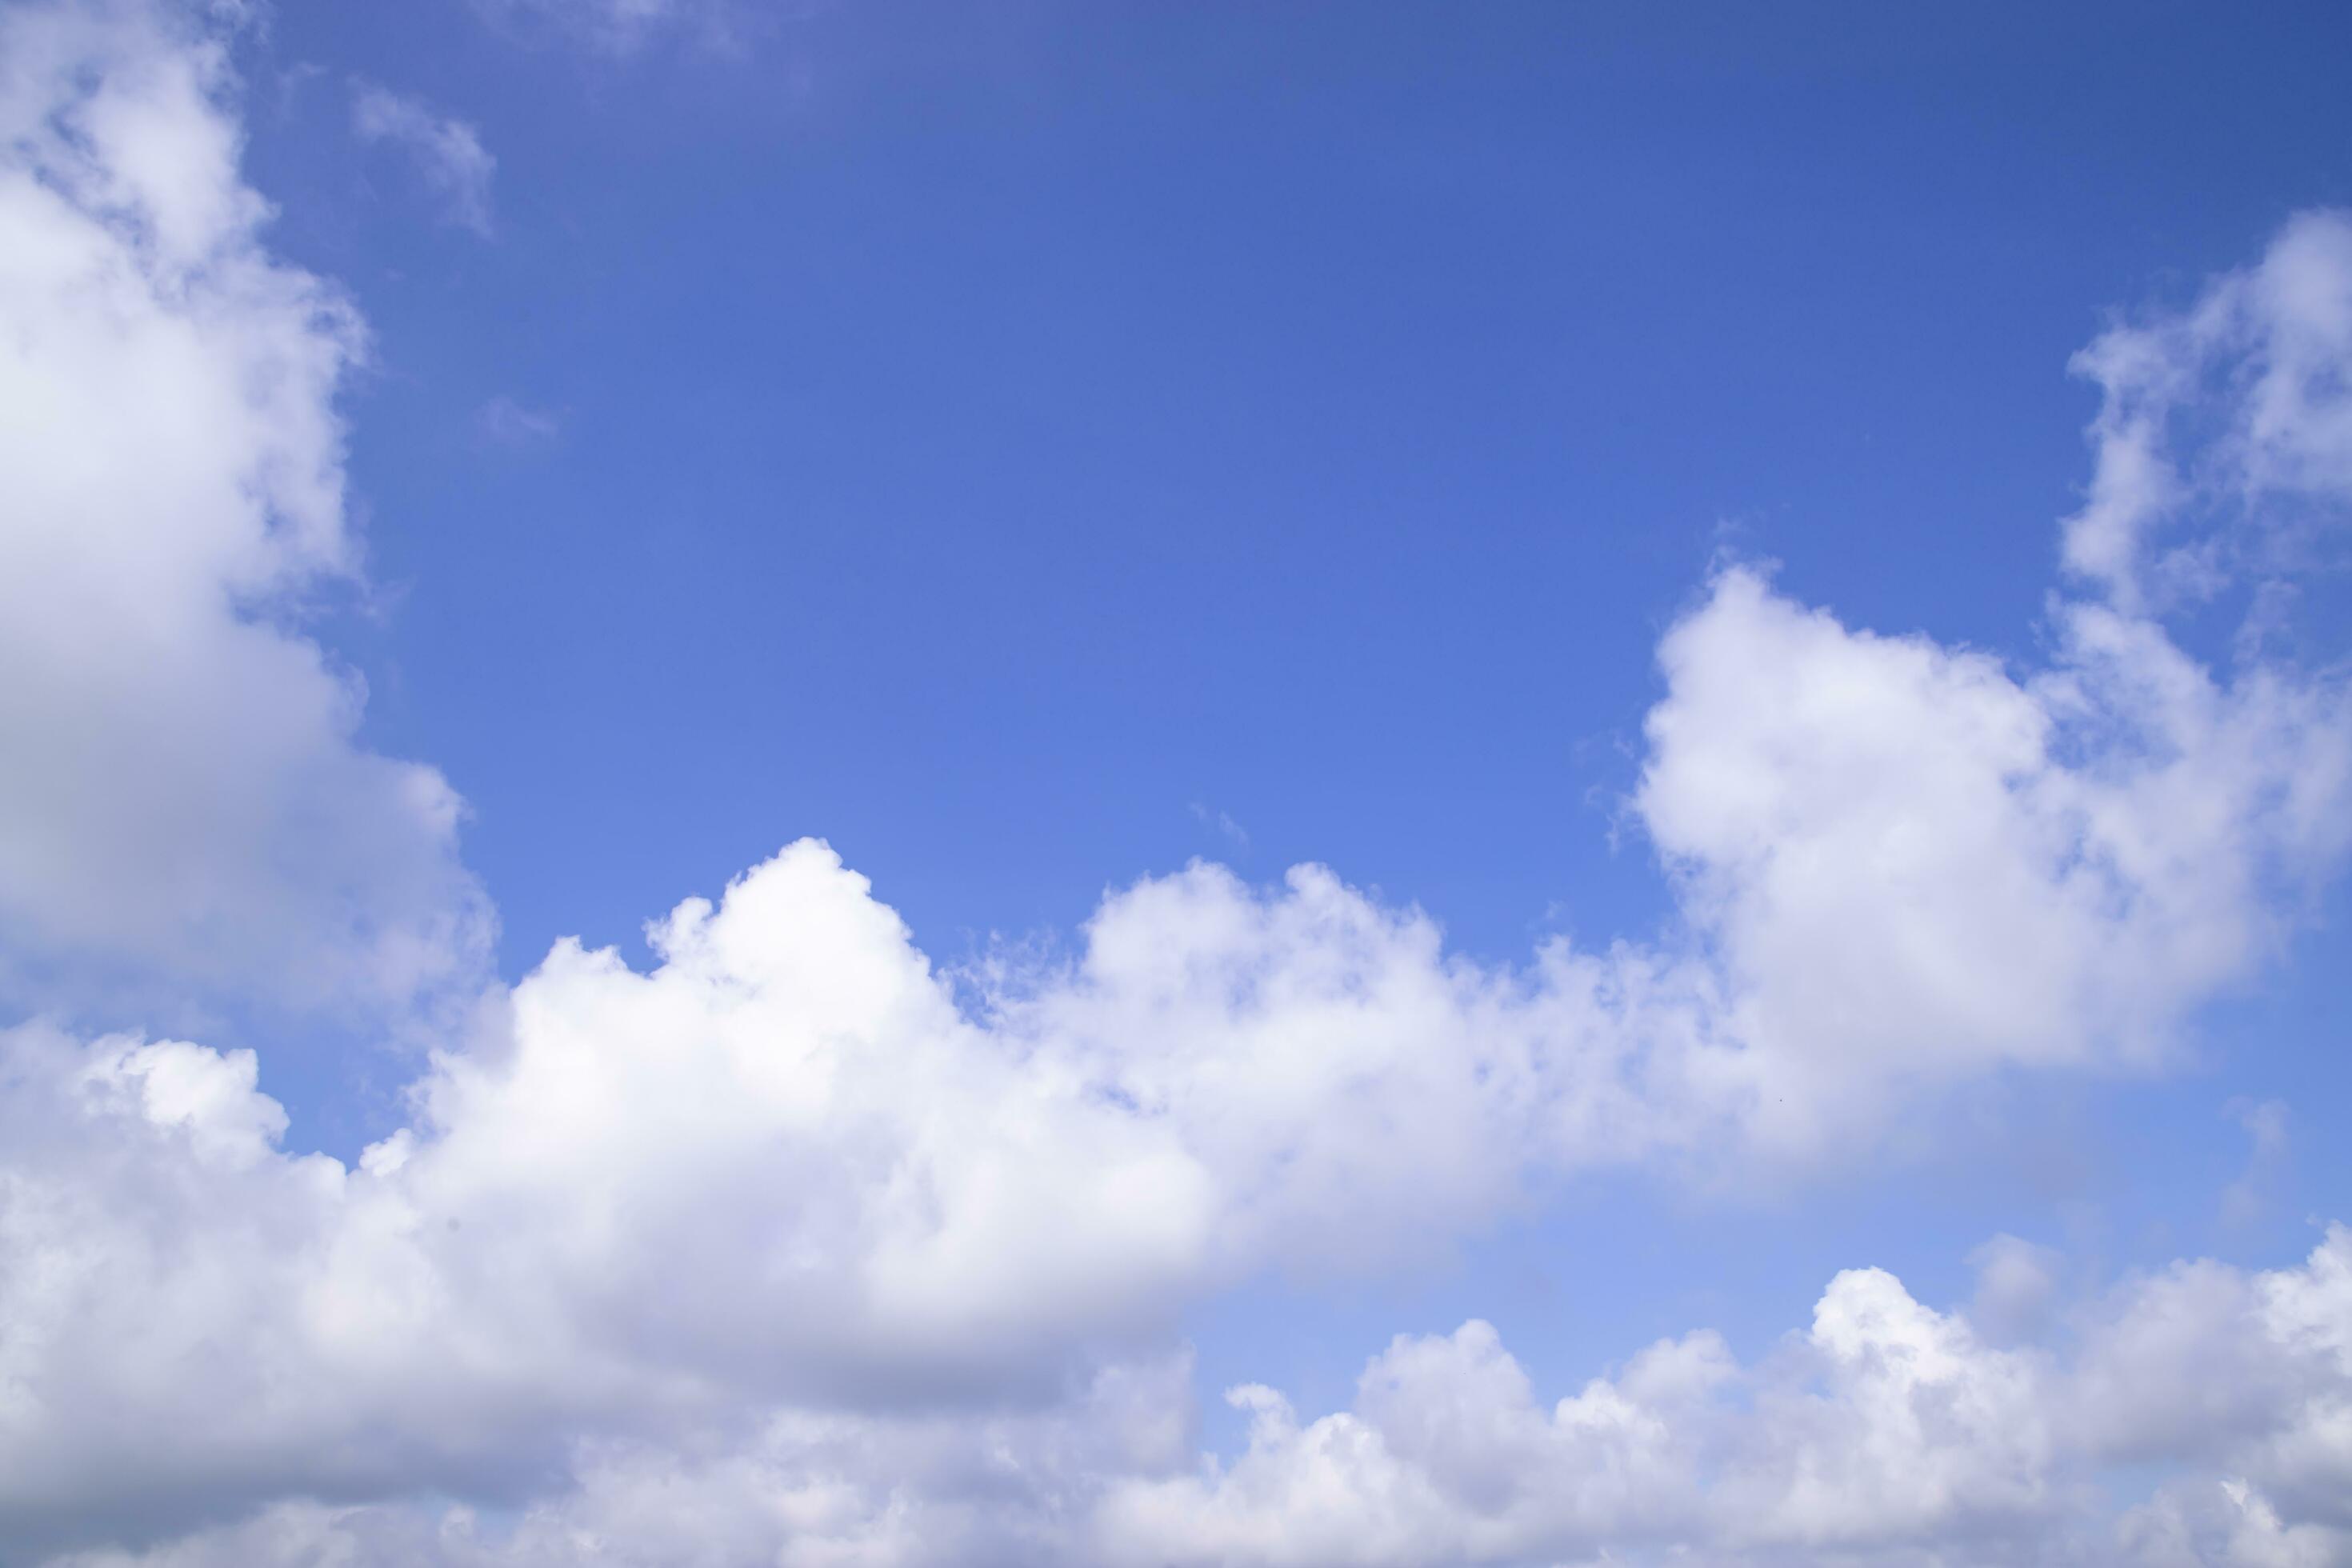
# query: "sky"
919 784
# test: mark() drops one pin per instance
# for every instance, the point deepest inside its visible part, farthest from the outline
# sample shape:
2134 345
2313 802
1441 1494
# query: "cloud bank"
790 1249
185 808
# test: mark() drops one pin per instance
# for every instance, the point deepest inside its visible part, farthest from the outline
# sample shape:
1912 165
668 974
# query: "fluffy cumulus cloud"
1907 863
183 804
1887 1431
776 1244
791 1248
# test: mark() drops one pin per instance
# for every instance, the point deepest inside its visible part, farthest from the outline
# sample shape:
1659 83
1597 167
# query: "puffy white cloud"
779 1250
183 805
2254 1371
1886 1432
783 1165
1909 864
447 152
783 1173
786 1171
2225 434
1446 1458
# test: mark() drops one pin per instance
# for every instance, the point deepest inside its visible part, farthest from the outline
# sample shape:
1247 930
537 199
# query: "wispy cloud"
503 421
624 26
2265 1122
1221 824
447 152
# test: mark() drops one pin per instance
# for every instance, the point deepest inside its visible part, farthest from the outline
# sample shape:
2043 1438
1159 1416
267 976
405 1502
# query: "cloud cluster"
183 808
1885 1432
781 1192
1886 1428
788 1249
1908 865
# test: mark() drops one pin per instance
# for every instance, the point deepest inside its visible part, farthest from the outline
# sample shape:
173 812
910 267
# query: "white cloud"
2180 500
1885 1432
1910 865
447 153
1888 1429
183 802
783 1173
777 1250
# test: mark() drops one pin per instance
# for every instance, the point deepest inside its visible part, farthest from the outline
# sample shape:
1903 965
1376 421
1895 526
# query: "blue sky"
983 435
1615 484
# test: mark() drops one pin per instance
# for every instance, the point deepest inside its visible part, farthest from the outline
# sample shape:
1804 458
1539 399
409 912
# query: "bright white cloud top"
183 803
787 1251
